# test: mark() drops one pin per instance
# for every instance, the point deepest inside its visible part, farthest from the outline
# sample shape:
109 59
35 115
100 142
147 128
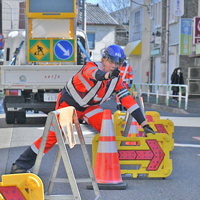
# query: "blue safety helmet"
114 53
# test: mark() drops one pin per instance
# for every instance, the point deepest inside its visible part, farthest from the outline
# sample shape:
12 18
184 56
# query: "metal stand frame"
129 118
62 152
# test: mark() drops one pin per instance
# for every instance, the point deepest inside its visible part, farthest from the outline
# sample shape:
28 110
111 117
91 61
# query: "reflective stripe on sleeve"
124 94
133 108
93 112
93 74
34 148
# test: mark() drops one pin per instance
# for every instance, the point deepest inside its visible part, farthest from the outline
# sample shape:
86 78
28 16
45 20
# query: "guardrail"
146 90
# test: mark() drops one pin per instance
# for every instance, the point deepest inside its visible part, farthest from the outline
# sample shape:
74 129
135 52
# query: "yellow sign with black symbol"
39 50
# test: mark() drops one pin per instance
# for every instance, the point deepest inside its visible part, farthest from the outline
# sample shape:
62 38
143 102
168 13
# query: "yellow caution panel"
150 156
158 125
152 116
39 50
21 186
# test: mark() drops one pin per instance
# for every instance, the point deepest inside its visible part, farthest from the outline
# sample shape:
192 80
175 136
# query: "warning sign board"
39 50
63 50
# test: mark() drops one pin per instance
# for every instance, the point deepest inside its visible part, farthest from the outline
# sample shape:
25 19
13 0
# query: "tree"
119 9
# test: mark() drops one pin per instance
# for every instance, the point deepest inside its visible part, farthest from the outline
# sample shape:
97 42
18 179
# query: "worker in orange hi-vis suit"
126 73
85 91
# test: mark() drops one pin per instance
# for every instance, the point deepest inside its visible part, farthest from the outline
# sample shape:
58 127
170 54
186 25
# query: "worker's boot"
15 169
24 162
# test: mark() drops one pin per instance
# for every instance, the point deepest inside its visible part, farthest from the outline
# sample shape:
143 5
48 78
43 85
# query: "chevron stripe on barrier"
151 157
152 116
162 126
21 186
159 126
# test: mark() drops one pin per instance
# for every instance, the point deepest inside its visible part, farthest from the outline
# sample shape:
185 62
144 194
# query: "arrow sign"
155 155
66 52
63 49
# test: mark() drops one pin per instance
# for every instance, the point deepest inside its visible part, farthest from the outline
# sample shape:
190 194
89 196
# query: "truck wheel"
10 117
21 117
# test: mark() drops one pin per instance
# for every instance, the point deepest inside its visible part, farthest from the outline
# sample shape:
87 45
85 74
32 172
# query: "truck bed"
36 76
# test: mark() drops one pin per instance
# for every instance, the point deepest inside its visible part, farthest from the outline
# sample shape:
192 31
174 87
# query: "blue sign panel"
1 44
63 49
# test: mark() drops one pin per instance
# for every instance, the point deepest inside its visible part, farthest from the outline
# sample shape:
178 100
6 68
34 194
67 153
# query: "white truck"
33 86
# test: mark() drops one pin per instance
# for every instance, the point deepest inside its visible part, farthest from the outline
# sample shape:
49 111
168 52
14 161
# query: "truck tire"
10 117
21 117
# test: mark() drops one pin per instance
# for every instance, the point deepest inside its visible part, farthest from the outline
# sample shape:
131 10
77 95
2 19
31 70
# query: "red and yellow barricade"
21 186
151 156
159 125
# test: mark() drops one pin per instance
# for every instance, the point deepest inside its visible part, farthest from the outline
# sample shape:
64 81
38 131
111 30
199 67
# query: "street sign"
1 44
196 30
1 36
178 8
39 50
186 37
63 50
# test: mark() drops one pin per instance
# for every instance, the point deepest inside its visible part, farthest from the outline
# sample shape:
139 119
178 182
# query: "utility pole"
164 50
1 16
83 15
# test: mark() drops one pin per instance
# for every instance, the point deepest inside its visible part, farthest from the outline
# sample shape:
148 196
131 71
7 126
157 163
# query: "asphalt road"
182 184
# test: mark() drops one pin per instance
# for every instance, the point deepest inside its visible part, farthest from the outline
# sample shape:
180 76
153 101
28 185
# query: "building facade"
138 48
175 57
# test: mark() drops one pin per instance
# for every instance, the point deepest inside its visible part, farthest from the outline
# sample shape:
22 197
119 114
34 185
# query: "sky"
92 1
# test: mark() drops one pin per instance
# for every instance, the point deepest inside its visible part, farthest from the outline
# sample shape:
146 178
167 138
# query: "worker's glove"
129 85
114 73
147 129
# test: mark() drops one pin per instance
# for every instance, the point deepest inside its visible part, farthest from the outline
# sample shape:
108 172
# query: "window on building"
137 17
158 17
152 11
91 40
172 18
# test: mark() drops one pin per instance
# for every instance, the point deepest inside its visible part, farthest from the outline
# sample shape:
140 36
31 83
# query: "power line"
141 4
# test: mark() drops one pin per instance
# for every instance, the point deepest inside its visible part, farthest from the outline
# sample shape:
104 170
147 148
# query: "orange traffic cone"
133 130
107 168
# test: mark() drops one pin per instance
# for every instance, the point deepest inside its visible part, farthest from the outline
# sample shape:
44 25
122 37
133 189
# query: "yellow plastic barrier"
152 116
24 186
159 125
163 126
151 157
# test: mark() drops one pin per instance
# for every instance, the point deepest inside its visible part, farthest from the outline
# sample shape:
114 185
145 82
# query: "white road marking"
186 145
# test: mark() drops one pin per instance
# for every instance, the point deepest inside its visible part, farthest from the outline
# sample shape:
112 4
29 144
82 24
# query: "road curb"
165 108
